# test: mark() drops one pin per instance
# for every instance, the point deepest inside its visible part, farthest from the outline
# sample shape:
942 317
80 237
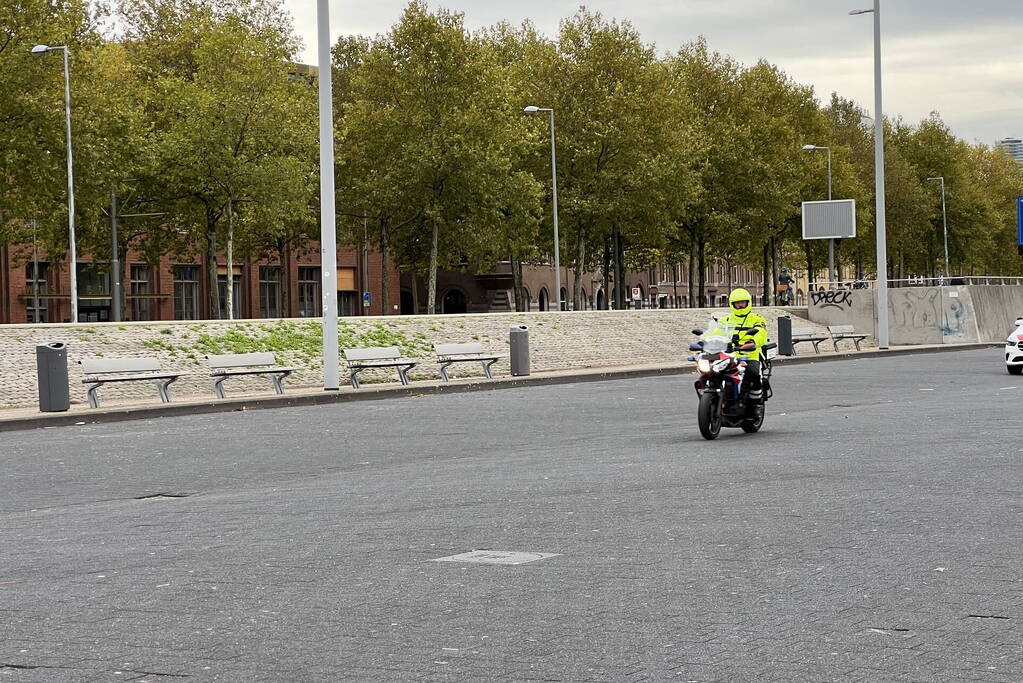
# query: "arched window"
564 299
600 300
526 300
584 302
541 300
453 302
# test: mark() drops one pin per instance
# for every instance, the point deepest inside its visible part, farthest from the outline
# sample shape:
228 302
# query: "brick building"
176 288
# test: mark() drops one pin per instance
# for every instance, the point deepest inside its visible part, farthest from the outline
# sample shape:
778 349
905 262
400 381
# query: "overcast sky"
962 58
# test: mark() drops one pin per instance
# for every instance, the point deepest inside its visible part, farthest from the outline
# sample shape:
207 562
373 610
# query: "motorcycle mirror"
696 346
698 332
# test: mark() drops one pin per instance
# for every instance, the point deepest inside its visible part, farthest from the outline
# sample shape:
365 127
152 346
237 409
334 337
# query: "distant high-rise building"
1014 146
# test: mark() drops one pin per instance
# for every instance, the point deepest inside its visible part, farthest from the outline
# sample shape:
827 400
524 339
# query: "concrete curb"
123 414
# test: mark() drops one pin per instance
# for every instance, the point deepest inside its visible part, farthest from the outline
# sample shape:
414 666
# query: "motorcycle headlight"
703 365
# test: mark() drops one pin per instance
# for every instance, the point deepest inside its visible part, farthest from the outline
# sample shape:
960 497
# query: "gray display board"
829 220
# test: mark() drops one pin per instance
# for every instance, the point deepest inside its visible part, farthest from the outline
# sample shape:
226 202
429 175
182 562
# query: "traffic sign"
637 294
365 299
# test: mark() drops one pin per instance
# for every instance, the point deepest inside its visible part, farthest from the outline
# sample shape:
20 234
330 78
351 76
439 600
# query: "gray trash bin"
51 370
519 341
785 336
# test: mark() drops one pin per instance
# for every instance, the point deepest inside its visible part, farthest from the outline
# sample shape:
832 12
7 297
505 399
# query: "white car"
1014 350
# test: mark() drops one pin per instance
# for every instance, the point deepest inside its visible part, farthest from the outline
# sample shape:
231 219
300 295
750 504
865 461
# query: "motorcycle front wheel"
753 425
709 416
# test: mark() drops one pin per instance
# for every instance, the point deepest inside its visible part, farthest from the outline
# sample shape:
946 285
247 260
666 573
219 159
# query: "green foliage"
305 339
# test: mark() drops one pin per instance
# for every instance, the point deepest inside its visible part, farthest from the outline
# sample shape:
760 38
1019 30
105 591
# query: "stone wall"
926 315
558 341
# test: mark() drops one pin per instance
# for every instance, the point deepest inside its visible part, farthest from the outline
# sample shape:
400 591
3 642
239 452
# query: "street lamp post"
328 230
554 196
944 220
831 242
882 247
73 268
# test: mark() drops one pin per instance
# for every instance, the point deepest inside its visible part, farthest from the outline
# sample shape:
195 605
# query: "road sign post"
1019 224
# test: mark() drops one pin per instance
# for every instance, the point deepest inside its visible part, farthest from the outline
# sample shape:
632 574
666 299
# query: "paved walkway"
116 410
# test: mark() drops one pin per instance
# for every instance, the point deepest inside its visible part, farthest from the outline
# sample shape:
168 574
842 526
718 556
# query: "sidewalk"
117 411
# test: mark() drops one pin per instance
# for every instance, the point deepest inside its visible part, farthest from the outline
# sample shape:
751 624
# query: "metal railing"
955 280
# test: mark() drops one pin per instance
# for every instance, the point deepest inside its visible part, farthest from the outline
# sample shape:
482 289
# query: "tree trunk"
229 304
774 269
701 264
691 295
520 296
385 265
577 286
676 273
431 293
286 309
211 267
765 300
621 303
607 273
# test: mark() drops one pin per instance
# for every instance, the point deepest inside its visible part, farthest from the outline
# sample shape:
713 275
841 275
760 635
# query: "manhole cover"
496 557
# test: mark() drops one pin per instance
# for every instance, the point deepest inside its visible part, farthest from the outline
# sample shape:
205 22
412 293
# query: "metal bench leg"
817 347
486 368
444 371
161 386
857 343
218 387
91 395
402 370
278 380
354 377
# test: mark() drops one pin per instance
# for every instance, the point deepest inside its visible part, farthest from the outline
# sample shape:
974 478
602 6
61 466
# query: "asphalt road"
873 531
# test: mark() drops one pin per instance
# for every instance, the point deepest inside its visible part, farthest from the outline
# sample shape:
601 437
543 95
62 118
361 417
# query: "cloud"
959 58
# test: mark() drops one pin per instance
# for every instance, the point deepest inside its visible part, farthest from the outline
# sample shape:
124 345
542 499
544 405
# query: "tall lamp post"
554 194
944 220
73 268
328 234
831 242
882 247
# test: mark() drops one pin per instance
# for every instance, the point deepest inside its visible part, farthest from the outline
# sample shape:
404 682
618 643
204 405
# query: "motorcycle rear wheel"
709 416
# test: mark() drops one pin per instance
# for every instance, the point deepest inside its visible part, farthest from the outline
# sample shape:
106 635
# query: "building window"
186 292
140 291
308 291
270 291
36 285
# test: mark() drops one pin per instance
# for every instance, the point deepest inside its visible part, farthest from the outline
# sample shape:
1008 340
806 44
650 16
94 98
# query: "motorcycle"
724 401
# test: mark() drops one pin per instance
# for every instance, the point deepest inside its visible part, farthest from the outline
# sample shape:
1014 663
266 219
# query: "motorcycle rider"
785 279
751 328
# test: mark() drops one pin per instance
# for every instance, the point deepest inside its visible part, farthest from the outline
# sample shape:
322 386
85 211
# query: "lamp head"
809 147
531 109
40 49
860 11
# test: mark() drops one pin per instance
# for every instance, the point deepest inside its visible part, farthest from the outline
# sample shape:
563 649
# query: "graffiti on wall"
914 308
840 299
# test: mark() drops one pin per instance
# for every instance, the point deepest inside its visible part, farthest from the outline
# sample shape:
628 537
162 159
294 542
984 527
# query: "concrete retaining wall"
558 341
926 315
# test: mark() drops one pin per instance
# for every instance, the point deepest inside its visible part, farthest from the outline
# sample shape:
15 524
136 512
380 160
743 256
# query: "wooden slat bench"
100 371
840 332
377 357
449 354
805 334
223 366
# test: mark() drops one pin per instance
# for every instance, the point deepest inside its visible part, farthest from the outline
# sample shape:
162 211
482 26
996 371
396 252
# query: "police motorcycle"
724 401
